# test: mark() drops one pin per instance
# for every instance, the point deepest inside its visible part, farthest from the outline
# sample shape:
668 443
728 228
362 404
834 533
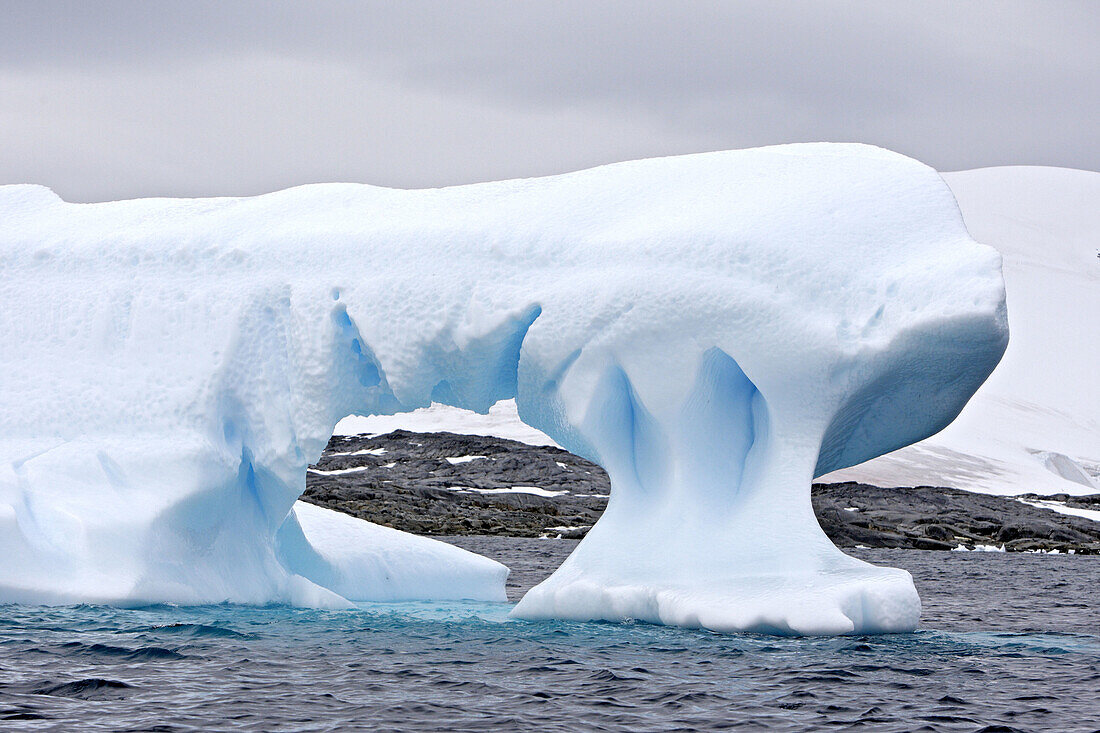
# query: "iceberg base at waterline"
319 558
725 538
362 561
702 577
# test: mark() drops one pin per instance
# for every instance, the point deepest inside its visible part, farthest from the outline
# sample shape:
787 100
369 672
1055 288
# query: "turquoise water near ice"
1008 643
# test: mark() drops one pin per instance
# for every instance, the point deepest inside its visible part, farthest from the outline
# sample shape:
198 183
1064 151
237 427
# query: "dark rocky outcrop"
937 518
404 480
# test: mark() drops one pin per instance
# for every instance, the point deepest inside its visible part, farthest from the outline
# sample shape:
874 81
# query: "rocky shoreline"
448 484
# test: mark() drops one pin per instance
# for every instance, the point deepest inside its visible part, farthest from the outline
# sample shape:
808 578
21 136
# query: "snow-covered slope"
1034 426
502 420
713 330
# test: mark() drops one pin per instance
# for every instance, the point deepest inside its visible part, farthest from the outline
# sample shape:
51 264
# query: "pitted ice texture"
713 329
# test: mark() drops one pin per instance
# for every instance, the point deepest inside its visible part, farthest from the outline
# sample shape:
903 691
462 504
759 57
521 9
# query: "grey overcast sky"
103 100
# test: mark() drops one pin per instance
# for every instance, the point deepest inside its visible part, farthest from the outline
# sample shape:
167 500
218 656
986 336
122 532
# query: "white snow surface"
501 421
714 330
456 460
533 490
339 471
1062 508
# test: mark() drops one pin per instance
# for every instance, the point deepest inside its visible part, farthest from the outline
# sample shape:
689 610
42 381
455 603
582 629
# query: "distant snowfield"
502 421
1035 425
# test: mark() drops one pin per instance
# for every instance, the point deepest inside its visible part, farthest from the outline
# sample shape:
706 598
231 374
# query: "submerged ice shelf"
715 330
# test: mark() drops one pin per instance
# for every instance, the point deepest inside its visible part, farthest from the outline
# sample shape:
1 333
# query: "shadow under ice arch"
714 330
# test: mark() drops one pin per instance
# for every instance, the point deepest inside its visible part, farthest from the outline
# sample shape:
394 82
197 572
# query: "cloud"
107 100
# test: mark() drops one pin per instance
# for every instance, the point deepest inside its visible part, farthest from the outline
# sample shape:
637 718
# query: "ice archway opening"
714 330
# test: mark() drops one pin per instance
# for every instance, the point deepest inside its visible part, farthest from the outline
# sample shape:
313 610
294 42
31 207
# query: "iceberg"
714 330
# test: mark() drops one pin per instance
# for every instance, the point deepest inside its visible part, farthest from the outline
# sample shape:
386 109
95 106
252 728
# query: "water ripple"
1002 665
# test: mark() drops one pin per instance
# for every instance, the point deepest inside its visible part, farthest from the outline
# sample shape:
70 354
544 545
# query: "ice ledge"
867 600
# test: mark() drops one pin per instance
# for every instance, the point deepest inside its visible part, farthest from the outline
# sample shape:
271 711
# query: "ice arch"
713 329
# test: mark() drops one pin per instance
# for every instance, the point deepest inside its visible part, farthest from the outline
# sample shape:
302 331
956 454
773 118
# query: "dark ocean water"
1008 642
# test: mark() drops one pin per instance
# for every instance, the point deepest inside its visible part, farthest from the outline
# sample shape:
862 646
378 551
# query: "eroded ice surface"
361 561
1034 427
712 329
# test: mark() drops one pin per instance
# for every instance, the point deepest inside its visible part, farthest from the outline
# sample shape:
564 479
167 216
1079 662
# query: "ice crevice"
688 323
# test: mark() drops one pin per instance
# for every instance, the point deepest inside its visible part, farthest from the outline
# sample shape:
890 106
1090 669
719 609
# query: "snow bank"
712 329
1061 508
502 421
